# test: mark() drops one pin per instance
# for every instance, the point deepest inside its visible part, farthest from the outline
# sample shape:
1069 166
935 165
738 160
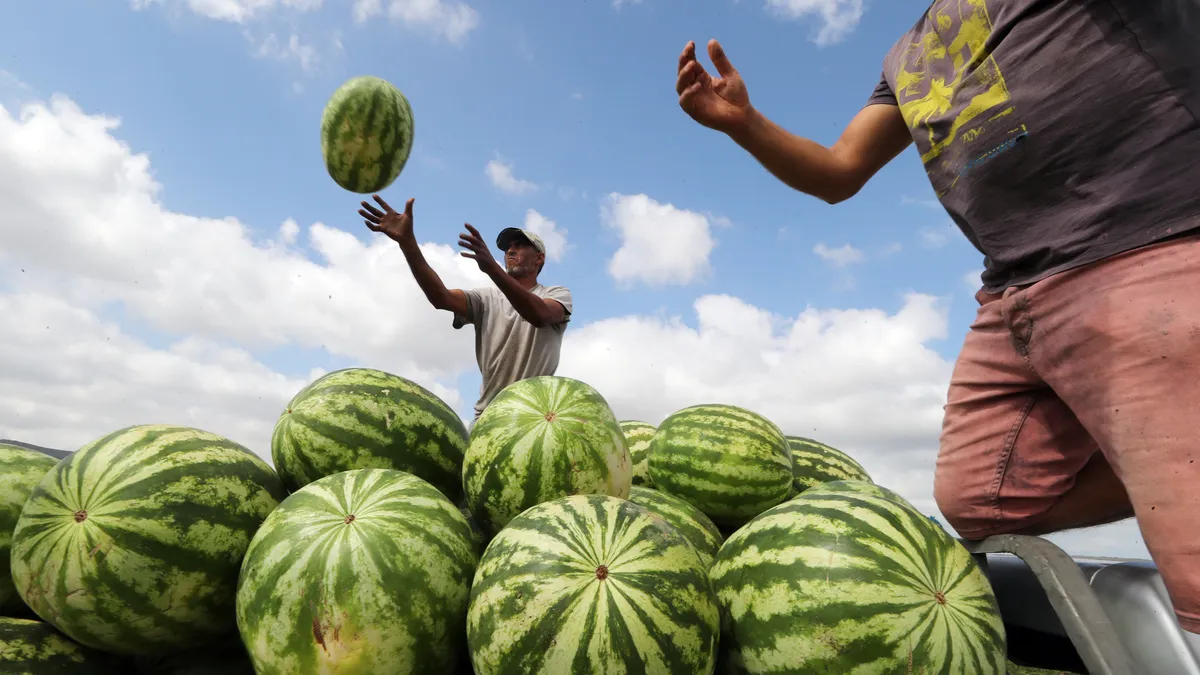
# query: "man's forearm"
529 306
798 162
429 281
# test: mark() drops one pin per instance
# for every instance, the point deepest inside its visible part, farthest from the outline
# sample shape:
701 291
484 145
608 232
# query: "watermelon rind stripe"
688 520
29 647
360 418
541 604
729 462
815 463
21 469
638 435
365 571
539 439
848 582
132 544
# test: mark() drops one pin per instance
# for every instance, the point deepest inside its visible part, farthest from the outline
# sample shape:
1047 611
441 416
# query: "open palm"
720 103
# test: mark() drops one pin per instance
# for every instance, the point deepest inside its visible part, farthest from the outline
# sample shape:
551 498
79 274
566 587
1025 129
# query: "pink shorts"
1103 358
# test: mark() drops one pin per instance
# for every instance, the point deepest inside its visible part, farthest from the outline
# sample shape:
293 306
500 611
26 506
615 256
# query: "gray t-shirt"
507 347
1055 132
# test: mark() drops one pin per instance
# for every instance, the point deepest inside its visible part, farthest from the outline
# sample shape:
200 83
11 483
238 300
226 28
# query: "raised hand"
720 103
397 226
478 250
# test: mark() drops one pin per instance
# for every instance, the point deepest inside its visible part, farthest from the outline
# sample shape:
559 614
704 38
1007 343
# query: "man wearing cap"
519 323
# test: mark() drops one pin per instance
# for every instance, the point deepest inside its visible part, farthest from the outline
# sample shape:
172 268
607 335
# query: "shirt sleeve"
883 93
563 296
476 308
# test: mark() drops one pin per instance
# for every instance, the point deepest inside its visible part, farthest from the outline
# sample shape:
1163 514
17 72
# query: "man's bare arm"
875 136
449 299
539 311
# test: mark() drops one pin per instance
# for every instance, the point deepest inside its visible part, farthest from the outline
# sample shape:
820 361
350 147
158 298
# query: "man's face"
522 259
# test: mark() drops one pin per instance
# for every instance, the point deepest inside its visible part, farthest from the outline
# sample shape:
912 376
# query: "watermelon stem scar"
550 416
349 519
80 516
940 597
602 572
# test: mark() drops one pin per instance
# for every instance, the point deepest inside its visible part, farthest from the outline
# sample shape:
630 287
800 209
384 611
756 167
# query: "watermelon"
132 544
361 418
539 439
20 470
637 437
843 581
814 463
363 571
366 134
591 584
35 648
729 462
862 487
688 520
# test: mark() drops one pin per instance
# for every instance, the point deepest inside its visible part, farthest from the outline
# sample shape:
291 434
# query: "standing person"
519 323
1062 139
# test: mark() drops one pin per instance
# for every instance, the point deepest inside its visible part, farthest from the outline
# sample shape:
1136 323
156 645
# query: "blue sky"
174 250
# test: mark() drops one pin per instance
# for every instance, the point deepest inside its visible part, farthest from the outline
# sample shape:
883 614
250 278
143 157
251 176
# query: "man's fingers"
693 72
468 254
408 207
371 209
373 227
685 99
719 59
687 55
473 230
386 207
369 216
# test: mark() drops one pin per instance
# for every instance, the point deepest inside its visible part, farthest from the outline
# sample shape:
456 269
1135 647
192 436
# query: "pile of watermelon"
554 538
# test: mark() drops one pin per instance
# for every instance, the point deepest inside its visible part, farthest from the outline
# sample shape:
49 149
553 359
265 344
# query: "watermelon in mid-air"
843 580
543 438
133 544
363 571
366 134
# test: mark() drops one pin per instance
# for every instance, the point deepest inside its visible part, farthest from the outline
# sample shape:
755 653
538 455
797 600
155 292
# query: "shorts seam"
1010 443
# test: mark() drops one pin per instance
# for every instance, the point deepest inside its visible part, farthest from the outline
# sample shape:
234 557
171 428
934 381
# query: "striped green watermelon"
539 439
366 134
814 463
20 470
687 519
638 436
35 648
364 571
591 584
863 487
361 418
842 581
729 462
133 543
226 656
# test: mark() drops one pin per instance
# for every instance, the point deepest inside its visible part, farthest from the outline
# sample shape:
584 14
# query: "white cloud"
838 17
204 302
937 237
291 50
450 19
501 175
552 235
233 11
841 256
660 244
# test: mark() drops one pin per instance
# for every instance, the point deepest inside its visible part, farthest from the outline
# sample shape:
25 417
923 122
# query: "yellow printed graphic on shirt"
951 92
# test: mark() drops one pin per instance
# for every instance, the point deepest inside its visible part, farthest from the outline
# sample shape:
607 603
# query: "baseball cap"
506 236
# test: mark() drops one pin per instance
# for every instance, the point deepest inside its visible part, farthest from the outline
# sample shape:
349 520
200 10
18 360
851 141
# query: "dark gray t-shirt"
507 347
1054 132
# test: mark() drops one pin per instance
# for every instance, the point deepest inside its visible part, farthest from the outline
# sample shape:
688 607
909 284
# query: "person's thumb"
717 54
408 207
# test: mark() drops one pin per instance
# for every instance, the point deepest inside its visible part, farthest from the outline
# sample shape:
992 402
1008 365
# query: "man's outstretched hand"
477 250
397 226
720 103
